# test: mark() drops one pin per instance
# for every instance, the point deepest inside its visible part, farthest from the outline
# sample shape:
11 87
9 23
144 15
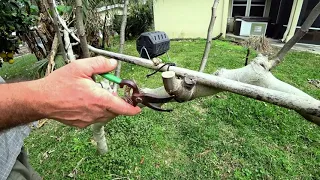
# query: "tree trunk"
103 46
57 30
122 37
209 36
81 30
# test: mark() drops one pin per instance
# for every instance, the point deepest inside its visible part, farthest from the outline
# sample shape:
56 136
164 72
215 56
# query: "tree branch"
57 30
52 55
297 36
272 96
209 36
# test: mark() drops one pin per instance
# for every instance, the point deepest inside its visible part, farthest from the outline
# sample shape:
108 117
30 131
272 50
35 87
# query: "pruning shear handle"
137 96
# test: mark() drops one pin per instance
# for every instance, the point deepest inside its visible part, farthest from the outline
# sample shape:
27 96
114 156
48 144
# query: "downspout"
293 21
224 20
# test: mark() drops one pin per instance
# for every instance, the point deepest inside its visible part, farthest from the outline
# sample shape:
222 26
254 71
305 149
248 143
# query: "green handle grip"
111 78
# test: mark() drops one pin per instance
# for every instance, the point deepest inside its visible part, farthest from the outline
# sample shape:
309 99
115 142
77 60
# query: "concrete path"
312 48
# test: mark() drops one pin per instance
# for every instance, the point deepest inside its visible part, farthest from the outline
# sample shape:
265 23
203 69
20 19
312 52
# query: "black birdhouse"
155 43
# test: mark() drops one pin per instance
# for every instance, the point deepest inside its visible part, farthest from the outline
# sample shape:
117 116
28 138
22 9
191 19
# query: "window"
257 7
239 11
248 8
307 7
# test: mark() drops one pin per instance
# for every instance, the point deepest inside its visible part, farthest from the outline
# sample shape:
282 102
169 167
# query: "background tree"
209 35
16 19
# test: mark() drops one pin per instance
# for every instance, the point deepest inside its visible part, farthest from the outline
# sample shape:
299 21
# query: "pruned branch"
209 35
57 30
297 36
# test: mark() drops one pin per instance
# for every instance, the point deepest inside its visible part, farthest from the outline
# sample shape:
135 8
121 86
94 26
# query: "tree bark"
81 30
297 36
122 37
68 46
57 30
100 138
52 55
209 36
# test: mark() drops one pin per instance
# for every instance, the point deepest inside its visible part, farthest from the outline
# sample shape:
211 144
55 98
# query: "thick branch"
209 36
57 30
275 97
81 30
298 35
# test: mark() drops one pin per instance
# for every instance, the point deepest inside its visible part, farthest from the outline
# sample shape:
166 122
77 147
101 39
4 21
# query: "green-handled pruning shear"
137 96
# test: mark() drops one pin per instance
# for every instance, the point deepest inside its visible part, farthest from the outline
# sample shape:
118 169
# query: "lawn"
218 137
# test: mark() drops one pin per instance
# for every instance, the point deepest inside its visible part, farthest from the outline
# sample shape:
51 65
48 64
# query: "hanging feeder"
152 44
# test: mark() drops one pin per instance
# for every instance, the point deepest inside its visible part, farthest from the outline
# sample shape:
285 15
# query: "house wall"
189 18
110 14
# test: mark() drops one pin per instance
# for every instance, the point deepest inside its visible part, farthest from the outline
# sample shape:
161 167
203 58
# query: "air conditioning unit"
250 26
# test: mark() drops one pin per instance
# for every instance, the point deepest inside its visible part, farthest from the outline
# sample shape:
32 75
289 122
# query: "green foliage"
226 136
62 9
41 66
139 20
15 16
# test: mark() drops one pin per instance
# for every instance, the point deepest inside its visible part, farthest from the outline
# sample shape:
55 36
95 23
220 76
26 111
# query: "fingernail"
113 62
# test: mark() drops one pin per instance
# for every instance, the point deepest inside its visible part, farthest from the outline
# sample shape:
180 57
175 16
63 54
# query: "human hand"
71 96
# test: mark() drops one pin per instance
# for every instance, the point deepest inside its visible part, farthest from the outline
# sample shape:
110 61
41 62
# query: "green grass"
214 137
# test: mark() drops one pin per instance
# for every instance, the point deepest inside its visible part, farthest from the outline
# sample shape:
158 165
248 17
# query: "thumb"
97 65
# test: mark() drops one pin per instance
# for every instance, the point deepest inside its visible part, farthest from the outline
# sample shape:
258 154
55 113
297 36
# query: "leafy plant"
140 19
16 17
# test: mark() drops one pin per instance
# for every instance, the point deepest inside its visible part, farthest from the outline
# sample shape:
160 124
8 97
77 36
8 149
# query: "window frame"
248 6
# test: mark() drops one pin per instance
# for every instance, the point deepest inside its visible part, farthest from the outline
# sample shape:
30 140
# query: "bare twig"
298 35
247 57
209 36
122 39
217 37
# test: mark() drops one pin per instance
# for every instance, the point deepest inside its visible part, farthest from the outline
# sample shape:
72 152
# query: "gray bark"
81 30
209 36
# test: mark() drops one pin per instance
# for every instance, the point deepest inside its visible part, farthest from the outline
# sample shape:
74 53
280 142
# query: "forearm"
20 103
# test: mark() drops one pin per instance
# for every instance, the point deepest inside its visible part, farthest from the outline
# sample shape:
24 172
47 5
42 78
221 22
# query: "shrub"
139 20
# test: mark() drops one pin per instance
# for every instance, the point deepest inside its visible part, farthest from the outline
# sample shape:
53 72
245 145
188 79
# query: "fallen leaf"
157 165
142 160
